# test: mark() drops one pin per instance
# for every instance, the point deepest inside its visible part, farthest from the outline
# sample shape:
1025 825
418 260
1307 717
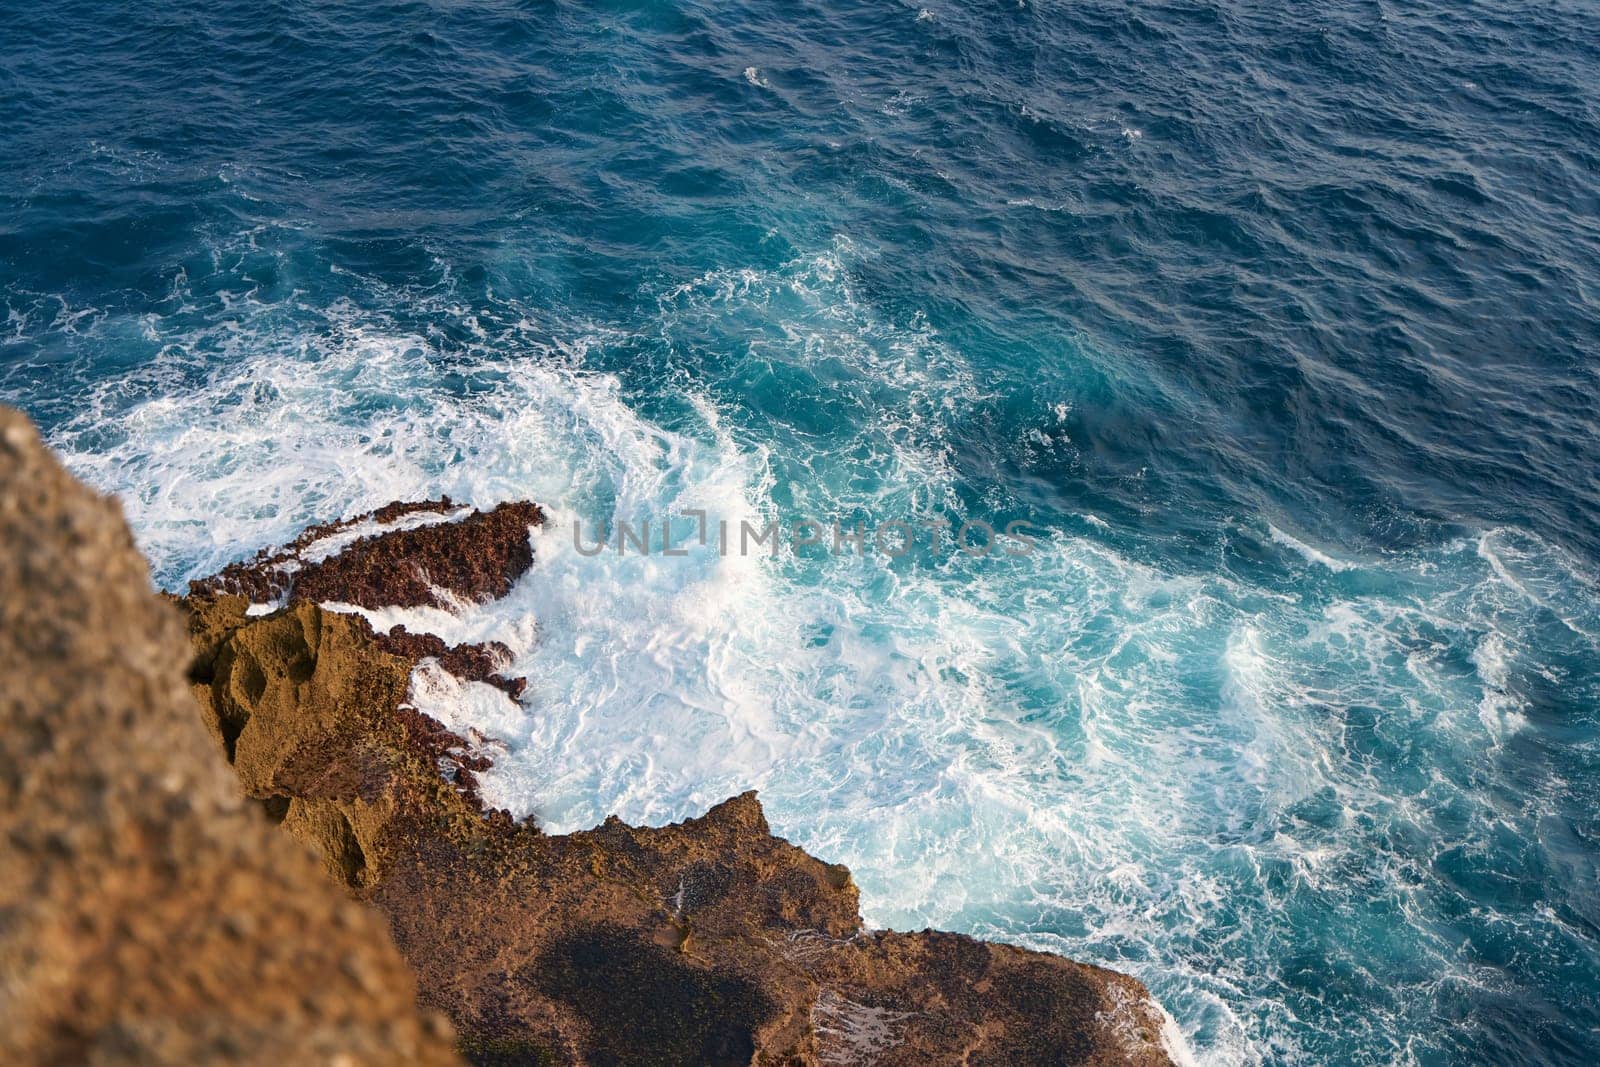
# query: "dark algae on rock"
707 942
475 557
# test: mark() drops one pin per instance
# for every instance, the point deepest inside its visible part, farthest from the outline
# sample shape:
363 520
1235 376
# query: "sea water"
1277 326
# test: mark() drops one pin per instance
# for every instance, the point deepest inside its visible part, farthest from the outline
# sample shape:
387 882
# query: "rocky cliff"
708 942
147 913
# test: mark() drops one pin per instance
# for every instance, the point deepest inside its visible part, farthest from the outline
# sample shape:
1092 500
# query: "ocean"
1277 326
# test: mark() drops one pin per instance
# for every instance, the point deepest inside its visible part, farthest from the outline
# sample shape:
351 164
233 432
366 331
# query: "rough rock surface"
147 913
709 942
475 557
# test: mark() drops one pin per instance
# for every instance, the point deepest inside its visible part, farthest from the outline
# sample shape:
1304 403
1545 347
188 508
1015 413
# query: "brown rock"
147 915
471 663
478 557
708 942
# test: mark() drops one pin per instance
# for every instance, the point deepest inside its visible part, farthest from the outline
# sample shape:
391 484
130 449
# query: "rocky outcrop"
709 942
147 913
443 557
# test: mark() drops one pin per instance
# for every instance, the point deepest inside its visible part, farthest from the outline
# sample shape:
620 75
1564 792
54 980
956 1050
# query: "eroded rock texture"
709 942
416 561
147 913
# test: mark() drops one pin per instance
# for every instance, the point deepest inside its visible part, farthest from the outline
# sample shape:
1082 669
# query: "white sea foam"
1075 750
1498 709
1173 1042
1311 555
1547 576
474 710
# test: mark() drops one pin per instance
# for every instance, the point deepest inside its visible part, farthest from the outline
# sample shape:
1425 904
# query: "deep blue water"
1279 323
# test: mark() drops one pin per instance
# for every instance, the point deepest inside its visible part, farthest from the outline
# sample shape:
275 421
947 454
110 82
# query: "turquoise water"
1278 326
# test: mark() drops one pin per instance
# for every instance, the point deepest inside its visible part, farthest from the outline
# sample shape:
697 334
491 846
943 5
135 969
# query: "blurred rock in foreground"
147 913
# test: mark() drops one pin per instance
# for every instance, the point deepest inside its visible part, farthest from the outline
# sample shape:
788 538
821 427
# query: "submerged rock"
147 913
708 942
